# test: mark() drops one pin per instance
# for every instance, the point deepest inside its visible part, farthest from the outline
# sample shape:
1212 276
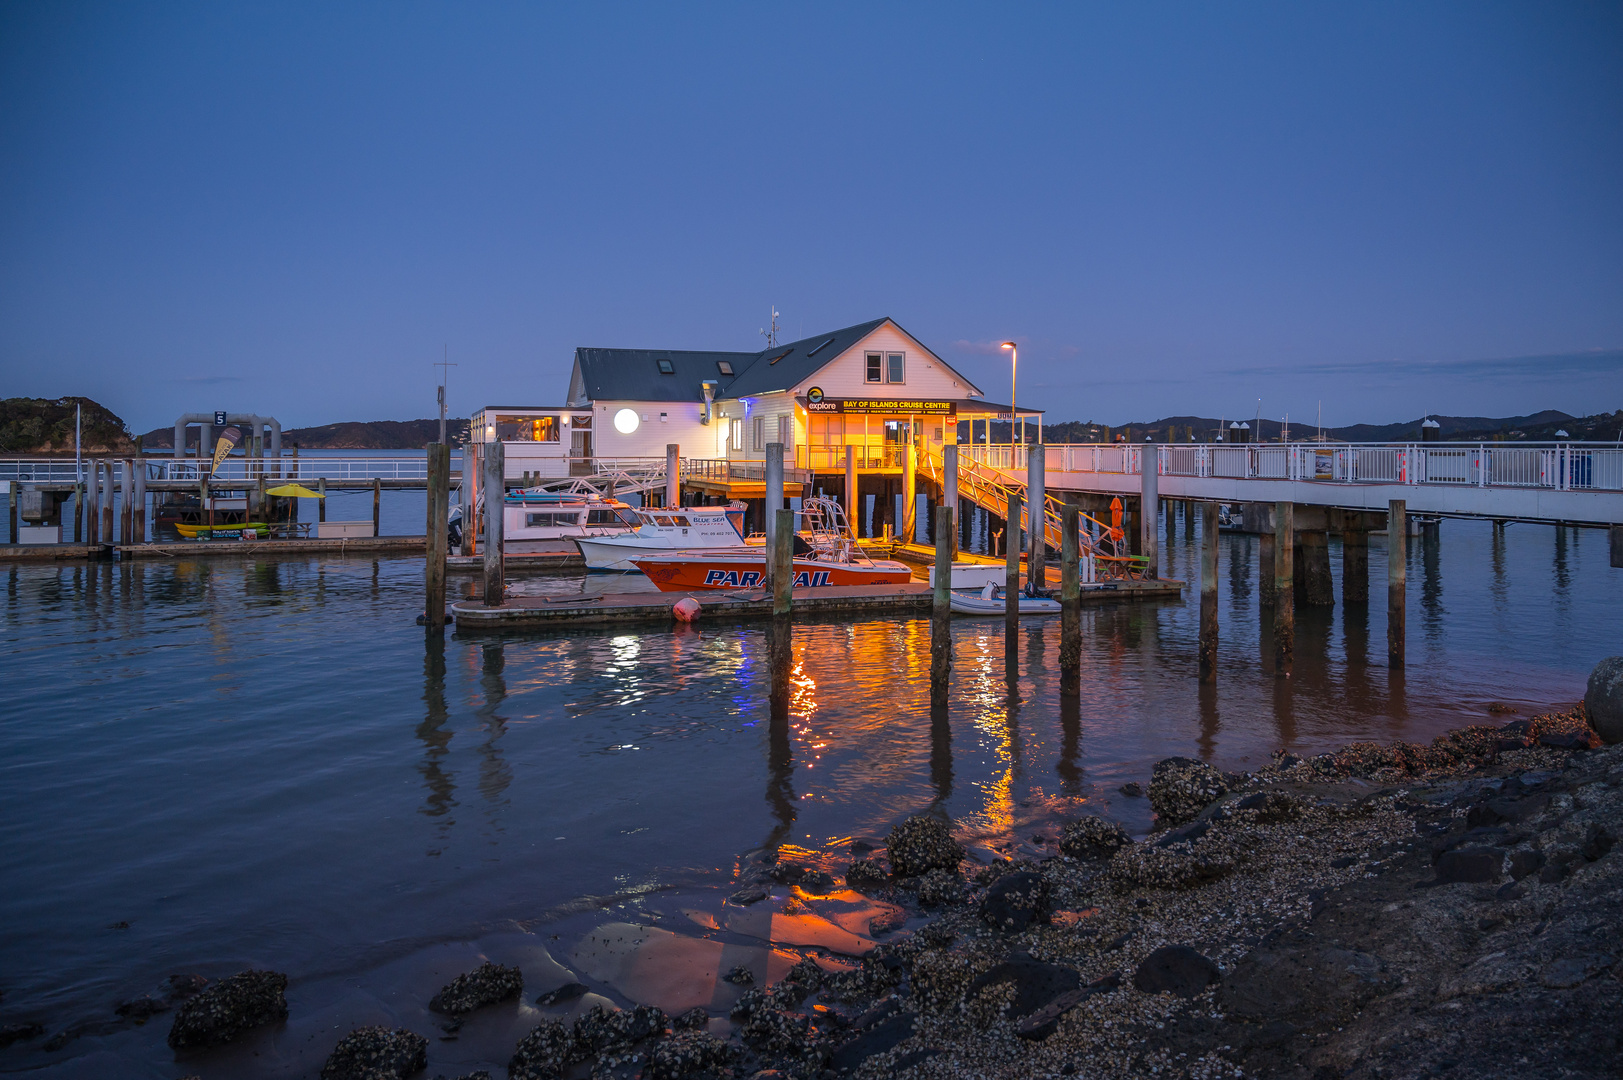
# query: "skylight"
666 367
819 348
724 366
778 357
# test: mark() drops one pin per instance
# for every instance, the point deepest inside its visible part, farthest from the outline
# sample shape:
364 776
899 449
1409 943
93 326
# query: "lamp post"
1014 370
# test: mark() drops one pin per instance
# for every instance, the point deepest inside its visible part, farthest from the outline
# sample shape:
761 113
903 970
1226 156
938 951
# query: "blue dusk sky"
292 208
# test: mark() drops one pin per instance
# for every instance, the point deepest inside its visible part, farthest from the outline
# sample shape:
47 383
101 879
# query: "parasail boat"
825 555
663 531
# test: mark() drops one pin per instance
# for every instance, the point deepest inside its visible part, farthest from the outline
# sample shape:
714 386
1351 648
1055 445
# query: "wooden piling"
439 509
321 503
1617 545
783 563
1036 521
468 486
1070 602
126 510
93 503
1354 558
377 505
941 602
1011 562
949 491
907 526
673 474
1149 506
495 484
774 503
1189 512
139 530
1208 592
78 512
1284 588
108 535
1397 530
11 512
1318 587
206 503
1265 569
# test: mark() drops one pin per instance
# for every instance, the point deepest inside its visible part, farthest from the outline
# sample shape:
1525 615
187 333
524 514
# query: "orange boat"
730 568
825 556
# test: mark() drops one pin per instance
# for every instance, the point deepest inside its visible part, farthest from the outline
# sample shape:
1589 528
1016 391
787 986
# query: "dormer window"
666 367
724 366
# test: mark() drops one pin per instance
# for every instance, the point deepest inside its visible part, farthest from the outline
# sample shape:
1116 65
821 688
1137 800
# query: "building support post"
1208 591
1284 588
495 483
908 525
1149 506
949 492
1265 568
1036 521
138 532
1318 586
126 512
852 514
673 474
774 503
1397 582
438 525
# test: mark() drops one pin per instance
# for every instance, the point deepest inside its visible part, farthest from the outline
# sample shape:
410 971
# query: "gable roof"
634 375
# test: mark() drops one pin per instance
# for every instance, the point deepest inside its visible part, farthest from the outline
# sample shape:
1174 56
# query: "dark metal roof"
633 374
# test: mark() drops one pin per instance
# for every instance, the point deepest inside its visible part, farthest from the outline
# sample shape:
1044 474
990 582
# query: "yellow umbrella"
294 491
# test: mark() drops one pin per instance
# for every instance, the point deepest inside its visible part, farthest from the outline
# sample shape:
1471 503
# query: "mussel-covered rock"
1092 837
485 985
1182 787
377 1053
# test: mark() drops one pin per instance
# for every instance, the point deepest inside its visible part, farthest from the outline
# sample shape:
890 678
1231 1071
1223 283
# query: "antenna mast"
772 334
445 371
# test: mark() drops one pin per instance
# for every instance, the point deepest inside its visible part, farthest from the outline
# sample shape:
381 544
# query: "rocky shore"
1381 912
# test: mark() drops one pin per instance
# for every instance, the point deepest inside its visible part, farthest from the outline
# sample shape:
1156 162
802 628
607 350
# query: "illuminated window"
738 434
527 428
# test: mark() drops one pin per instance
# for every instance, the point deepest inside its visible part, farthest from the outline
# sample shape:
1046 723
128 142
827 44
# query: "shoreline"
1274 889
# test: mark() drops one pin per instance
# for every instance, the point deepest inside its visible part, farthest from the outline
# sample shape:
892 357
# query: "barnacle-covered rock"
867 875
1017 901
377 1053
1181 787
485 985
921 844
686 1054
545 1053
228 1008
1092 837
601 1029
940 888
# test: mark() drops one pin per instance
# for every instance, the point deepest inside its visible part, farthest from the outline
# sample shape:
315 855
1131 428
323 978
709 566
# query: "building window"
527 428
786 430
759 434
738 434
894 371
666 367
876 367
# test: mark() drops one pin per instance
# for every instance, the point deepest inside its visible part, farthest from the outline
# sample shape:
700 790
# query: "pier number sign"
817 403
219 418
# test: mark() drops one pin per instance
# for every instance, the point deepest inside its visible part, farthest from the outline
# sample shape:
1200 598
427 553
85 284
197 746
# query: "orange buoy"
686 609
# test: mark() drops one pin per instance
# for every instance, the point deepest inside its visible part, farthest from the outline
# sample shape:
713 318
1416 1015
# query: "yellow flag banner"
229 438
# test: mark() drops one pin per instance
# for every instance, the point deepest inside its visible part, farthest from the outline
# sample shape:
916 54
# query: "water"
257 761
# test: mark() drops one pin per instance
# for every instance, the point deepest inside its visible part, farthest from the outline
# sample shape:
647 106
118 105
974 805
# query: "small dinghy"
991 601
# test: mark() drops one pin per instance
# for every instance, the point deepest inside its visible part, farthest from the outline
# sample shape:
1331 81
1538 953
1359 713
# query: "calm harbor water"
259 762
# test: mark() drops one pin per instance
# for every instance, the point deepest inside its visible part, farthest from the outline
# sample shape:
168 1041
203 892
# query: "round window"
625 421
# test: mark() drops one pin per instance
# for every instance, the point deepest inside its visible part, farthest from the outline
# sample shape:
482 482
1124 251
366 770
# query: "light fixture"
625 421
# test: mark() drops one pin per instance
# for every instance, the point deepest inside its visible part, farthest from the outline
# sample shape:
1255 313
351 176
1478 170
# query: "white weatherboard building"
872 386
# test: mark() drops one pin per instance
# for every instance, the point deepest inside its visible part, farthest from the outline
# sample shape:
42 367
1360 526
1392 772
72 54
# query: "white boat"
991 601
545 521
662 531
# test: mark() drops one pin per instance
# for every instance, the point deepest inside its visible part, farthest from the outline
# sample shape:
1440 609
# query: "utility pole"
444 374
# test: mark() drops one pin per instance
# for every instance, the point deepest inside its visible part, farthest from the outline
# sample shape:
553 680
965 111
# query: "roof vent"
819 348
666 367
724 366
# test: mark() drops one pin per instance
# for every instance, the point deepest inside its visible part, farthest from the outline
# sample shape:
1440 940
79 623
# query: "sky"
1377 210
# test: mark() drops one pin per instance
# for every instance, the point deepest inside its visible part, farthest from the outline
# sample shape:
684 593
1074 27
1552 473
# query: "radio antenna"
772 334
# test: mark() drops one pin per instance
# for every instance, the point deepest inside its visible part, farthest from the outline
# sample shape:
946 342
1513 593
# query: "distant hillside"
45 426
1541 427
351 435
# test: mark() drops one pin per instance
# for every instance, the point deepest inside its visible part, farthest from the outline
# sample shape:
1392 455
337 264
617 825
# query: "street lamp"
1014 370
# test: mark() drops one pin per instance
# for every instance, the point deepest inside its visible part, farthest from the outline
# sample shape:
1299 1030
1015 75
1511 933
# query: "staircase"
989 488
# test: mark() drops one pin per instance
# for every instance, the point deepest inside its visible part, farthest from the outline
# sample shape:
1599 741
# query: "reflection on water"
265 760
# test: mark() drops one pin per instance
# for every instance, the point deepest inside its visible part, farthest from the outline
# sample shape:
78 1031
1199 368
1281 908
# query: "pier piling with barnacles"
774 503
1036 513
1354 558
1284 588
1397 536
781 565
1011 563
1208 592
941 602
